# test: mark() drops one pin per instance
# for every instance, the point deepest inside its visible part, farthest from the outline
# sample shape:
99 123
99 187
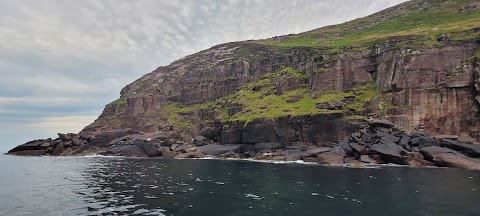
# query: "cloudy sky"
62 61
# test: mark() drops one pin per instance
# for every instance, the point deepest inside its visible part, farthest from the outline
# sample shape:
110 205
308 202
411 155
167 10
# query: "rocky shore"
379 142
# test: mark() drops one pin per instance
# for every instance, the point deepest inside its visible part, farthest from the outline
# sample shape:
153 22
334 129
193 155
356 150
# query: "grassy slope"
416 24
424 25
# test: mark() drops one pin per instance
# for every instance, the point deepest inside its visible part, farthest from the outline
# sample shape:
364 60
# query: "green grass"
422 27
120 101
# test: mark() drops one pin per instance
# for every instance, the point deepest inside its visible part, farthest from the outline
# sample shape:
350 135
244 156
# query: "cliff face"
416 64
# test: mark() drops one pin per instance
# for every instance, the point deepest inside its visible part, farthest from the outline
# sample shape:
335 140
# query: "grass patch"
120 101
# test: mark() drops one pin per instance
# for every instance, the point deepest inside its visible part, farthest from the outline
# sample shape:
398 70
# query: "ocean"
137 186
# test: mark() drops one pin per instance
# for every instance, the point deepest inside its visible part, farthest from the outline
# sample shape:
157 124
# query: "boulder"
310 159
58 149
199 140
358 148
293 154
471 150
126 150
390 152
449 158
218 149
165 152
330 158
404 142
422 142
29 152
150 149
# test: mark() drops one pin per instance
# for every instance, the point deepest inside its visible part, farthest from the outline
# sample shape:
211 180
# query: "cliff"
415 65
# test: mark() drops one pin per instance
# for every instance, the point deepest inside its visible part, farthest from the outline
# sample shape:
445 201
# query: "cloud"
70 58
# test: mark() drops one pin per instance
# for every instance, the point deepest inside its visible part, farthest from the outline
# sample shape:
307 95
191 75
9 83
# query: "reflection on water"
109 186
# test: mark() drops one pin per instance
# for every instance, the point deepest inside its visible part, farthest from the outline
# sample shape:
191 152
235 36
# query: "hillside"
415 65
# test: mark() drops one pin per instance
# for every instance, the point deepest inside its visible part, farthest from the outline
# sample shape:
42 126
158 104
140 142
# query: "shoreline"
279 162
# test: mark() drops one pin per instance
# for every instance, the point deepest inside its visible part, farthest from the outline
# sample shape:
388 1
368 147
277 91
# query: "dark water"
109 186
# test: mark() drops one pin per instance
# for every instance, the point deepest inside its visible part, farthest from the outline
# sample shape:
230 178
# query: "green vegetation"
120 101
322 70
419 27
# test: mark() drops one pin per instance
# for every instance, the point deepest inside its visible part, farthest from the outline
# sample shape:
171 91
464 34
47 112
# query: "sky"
62 61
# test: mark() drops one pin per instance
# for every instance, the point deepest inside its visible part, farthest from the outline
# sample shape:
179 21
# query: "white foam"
315 194
331 197
253 196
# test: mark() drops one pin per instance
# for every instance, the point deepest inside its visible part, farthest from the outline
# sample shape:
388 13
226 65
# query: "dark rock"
66 137
293 154
78 142
58 149
150 149
390 152
404 142
345 144
471 150
358 148
422 142
257 147
449 158
30 152
126 150
330 158
218 149
199 141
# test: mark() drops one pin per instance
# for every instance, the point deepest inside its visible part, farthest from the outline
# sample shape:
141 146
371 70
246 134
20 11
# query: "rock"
422 142
310 159
390 152
150 149
330 158
471 150
315 151
191 155
165 152
338 150
218 149
358 148
232 154
293 154
404 142
416 159
278 158
368 159
380 123
65 137
257 147
126 150
58 149
190 149
449 158
199 140
30 152
346 147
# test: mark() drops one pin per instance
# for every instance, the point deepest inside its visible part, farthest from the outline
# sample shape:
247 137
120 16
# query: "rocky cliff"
415 64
